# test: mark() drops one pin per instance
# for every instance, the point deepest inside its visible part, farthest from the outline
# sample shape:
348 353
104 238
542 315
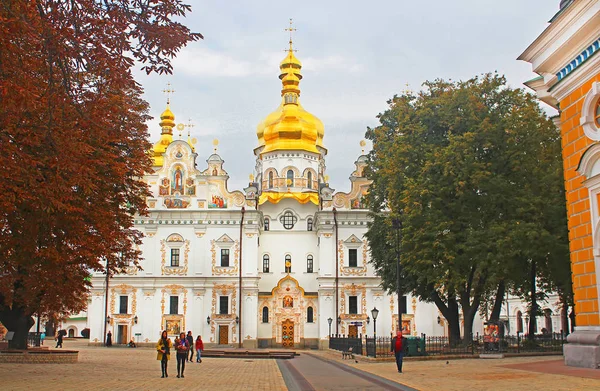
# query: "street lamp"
108 320
368 320
374 313
208 320
237 319
329 320
397 225
135 319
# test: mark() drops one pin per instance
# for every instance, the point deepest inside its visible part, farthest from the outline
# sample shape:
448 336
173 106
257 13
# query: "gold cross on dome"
291 30
407 91
168 91
189 124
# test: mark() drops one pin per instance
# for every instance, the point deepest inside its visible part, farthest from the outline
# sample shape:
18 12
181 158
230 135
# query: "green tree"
74 144
466 167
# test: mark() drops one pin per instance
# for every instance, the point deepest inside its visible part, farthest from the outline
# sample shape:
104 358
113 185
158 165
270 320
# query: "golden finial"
215 144
362 146
291 30
251 177
326 178
189 125
168 91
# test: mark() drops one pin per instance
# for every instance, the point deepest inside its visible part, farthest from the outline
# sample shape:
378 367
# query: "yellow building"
565 56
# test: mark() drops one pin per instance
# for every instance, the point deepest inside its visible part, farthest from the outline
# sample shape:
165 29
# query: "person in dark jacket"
398 348
109 339
182 347
190 340
59 339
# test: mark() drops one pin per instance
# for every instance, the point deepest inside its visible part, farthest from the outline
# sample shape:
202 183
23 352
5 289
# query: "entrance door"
287 334
122 334
352 331
223 335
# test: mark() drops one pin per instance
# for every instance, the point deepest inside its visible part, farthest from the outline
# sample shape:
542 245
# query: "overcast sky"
355 55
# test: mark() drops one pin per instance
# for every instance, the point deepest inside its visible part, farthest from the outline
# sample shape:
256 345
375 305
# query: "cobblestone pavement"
477 374
116 368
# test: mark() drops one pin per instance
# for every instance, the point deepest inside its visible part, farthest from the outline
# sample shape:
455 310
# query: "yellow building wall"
574 144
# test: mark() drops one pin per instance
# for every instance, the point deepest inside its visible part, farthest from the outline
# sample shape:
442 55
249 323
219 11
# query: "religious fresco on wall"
163 188
190 187
177 181
176 203
216 201
406 329
173 326
288 302
357 203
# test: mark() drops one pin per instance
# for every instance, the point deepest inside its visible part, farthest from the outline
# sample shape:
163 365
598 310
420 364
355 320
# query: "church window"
309 180
271 180
288 263
309 264
266 262
290 178
597 113
174 305
223 305
123 304
353 304
175 257
309 224
265 315
519 322
353 257
309 315
288 220
266 226
224 257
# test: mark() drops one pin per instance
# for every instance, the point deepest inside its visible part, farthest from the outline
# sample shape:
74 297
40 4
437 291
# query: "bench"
347 354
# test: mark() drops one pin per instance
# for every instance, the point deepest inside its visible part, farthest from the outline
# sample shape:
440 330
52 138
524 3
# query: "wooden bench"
347 354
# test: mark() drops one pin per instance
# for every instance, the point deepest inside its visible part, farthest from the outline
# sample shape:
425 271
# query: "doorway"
287 333
122 334
223 335
353 331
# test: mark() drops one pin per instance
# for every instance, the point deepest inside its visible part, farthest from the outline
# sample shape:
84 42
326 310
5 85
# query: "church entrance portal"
122 334
223 335
353 331
287 334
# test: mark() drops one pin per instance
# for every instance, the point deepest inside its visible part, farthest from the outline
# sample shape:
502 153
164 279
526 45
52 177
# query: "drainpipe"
337 325
240 299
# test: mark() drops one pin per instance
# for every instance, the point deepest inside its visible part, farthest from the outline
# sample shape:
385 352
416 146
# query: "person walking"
199 348
163 346
397 348
182 347
59 339
190 340
42 338
109 339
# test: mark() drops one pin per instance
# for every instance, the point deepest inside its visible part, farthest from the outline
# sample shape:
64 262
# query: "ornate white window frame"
174 241
225 242
588 120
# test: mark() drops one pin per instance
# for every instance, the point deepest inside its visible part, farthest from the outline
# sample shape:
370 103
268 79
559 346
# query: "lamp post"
397 225
208 320
374 313
329 320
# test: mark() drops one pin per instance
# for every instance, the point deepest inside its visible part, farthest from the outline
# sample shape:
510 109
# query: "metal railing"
437 346
33 339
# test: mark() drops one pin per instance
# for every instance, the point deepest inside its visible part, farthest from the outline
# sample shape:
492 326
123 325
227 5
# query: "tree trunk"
564 318
450 312
533 310
495 316
19 322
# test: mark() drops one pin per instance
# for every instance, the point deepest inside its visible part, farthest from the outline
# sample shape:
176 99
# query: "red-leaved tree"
73 143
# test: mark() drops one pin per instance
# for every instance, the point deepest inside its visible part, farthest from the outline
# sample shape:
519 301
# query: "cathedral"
280 263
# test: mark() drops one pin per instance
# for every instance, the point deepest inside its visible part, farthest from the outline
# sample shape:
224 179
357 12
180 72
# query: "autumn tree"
74 143
470 168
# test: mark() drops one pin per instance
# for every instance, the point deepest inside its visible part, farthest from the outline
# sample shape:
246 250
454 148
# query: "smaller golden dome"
167 123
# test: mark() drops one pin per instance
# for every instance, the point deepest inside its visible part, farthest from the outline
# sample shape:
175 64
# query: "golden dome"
290 126
167 123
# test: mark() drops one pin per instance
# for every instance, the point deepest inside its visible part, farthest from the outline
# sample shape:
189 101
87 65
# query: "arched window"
265 315
309 224
309 180
266 263
597 113
519 322
309 264
266 226
290 178
288 263
309 315
271 180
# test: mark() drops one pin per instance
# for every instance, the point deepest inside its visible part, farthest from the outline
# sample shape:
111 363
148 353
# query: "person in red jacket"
397 348
199 349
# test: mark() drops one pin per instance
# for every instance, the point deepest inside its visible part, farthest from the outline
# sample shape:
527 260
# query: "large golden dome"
290 126
167 123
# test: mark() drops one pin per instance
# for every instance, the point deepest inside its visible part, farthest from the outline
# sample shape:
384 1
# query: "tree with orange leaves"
74 143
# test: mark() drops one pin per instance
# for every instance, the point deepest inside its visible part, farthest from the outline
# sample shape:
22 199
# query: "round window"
288 220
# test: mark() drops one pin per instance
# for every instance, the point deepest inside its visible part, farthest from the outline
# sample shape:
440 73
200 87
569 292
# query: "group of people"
184 348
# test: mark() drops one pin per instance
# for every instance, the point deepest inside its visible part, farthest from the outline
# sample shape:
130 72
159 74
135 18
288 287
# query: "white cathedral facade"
266 266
